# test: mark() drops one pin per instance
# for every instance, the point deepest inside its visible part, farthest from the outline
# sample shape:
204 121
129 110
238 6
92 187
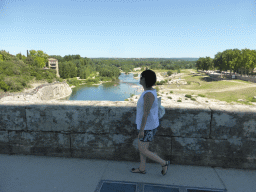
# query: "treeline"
16 71
239 61
71 66
75 66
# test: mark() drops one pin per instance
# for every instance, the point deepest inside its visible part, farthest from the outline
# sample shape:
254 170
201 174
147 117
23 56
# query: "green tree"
6 56
40 58
236 61
68 58
30 61
252 60
208 63
246 60
217 60
199 63
1 58
21 57
227 60
39 62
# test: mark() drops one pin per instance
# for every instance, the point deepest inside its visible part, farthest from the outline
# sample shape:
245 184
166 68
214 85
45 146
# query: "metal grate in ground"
117 186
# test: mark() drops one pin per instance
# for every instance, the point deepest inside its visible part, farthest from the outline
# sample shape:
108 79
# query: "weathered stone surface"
223 136
233 121
235 152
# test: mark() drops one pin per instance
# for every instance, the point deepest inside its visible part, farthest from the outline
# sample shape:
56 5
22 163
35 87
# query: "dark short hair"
150 77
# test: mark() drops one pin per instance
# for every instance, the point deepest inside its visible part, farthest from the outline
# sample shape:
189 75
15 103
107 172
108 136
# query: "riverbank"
176 89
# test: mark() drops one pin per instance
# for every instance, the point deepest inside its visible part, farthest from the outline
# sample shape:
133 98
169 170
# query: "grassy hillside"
197 85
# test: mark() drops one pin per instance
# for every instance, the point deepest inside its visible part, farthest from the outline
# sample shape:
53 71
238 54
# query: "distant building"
53 64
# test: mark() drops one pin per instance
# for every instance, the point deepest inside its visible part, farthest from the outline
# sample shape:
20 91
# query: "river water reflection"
119 90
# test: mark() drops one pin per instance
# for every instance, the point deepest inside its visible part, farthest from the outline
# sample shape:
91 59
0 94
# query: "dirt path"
234 88
244 86
33 85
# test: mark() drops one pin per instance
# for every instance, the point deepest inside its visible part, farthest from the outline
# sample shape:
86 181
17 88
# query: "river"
118 90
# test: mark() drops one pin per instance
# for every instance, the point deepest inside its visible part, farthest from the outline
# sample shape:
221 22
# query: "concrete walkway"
20 173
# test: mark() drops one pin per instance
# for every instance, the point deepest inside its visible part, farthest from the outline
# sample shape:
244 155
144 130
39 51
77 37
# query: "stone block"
40 143
209 152
4 143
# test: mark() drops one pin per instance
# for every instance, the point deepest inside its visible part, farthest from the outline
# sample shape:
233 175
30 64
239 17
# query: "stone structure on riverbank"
53 64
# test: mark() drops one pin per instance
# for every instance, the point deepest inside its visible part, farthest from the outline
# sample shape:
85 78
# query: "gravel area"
202 100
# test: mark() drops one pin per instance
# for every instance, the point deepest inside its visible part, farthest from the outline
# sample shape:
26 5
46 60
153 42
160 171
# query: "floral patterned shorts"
148 135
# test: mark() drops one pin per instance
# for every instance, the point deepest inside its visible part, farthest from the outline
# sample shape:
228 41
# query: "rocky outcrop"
49 91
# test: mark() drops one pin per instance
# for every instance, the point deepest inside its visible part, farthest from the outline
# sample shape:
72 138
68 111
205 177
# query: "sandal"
167 163
143 172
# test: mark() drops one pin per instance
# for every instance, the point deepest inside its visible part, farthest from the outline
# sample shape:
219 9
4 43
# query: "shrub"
49 80
33 74
252 99
201 95
161 82
39 77
59 79
3 86
169 73
135 75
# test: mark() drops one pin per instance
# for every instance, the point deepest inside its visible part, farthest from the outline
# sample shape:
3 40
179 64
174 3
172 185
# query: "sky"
127 28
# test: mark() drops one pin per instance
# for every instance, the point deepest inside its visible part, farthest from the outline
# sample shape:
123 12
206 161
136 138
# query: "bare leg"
142 162
154 157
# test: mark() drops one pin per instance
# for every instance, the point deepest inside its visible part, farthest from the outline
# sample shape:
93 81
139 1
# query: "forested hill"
149 59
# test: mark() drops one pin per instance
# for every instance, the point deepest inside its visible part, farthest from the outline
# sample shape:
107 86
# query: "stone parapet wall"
190 134
249 78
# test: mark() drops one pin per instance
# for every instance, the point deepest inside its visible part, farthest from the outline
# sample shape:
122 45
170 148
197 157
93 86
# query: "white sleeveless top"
152 120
